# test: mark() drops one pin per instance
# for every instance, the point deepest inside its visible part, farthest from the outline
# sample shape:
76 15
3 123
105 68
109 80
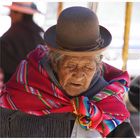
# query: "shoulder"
37 27
12 32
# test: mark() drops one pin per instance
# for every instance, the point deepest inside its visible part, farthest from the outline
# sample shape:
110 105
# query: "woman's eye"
71 66
89 68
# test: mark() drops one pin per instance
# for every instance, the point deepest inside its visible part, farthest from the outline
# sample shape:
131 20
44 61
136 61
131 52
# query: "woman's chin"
74 91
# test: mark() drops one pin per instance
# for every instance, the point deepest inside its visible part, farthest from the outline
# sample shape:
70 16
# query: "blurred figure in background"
21 38
134 93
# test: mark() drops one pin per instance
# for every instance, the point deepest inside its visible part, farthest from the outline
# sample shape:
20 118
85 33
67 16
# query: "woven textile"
31 91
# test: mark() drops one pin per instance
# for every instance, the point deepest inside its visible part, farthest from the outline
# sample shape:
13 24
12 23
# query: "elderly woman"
63 89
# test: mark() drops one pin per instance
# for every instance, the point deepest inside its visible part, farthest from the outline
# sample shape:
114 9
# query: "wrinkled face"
75 73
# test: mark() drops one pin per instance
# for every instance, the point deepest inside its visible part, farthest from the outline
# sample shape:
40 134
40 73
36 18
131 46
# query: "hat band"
95 46
76 53
26 5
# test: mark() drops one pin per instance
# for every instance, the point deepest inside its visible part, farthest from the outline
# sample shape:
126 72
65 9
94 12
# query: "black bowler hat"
77 32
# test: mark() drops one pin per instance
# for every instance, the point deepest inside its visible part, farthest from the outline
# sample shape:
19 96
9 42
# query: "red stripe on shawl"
30 103
112 73
113 106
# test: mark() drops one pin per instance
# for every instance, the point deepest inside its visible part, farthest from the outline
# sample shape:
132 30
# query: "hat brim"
23 9
50 39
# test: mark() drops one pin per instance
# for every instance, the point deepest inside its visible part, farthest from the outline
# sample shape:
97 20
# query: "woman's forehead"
88 59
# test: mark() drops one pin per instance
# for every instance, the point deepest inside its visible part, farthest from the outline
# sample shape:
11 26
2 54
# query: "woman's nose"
78 74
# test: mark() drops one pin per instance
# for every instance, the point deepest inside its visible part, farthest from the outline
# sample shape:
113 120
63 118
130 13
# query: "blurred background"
112 15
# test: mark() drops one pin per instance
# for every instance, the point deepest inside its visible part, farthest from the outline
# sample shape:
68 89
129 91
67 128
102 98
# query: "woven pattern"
31 91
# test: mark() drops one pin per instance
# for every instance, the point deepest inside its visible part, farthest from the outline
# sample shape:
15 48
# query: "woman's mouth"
76 84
